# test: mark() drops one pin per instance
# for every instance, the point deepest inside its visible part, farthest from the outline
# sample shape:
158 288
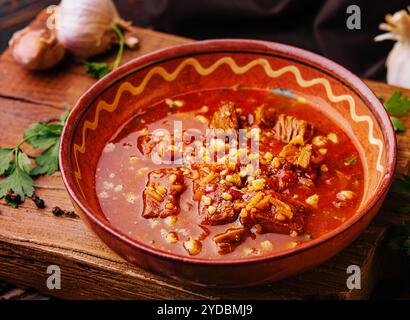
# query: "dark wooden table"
32 239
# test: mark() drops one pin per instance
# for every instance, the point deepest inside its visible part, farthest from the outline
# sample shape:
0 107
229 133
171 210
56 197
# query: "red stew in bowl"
233 172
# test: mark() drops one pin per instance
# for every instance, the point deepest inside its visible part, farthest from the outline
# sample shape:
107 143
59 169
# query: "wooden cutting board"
32 239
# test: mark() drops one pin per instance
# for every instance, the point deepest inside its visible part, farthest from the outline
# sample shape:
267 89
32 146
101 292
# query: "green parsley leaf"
97 69
18 180
24 162
42 135
64 116
397 124
47 162
397 104
5 159
15 165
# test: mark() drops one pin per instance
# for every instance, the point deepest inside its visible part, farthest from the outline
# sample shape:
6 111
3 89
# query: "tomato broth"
309 182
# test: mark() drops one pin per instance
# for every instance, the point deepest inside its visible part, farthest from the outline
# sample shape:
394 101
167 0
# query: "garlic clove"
36 49
398 60
84 27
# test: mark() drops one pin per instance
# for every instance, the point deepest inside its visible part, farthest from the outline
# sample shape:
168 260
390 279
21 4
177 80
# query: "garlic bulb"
36 49
398 60
84 27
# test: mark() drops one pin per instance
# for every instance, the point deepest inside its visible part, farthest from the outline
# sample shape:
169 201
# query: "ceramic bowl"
215 64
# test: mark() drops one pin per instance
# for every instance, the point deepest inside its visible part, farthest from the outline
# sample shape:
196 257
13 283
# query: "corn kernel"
108 185
131 197
268 156
161 190
201 118
142 171
118 188
292 244
170 220
103 195
172 178
231 166
319 141
313 200
258 184
133 160
266 245
169 206
243 173
345 195
206 200
169 102
243 213
171 237
293 234
193 246
154 223
324 168
322 151
179 103
280 217
276 162
211 209
110 147
333 137
226 196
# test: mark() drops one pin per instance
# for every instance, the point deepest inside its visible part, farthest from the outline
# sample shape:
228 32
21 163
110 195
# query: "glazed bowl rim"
227 45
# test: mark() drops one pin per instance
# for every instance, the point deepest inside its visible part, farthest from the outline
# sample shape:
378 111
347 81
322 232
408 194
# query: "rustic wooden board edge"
16 254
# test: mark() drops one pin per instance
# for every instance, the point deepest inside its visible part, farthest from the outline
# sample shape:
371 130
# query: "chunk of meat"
221 210
288 127
225 117
265 116
279 175
271 212
230 239
297 152
146 143
216 200
160 148
162 193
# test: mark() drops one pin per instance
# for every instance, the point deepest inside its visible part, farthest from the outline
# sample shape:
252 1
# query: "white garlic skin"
84 27
398 65
36 49
398 60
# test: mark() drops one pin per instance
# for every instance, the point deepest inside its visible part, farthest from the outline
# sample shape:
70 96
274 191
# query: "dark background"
318 25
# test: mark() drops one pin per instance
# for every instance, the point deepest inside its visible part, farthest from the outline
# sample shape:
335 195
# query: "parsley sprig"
100 69
16 165
397 105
